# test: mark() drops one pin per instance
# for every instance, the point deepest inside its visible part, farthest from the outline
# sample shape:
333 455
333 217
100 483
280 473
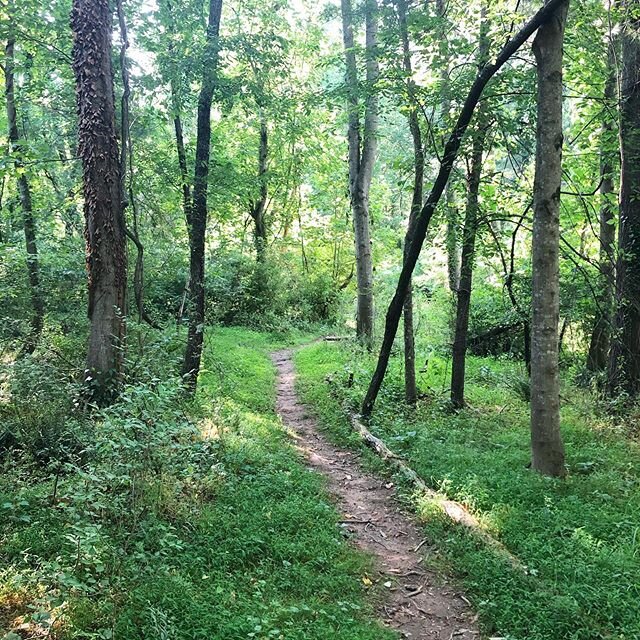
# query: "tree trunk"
24 190
547 448
104 221
126 172
469 235
451 212
362 151
410 387
624 365
601 336
422 221
259 207
197 213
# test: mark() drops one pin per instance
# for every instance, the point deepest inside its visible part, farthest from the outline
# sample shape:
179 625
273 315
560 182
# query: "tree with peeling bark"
624 364
26 205
362 150
547 449
106 254
197 212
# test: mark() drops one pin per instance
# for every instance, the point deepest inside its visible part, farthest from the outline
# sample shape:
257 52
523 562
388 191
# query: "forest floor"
577 539
419 603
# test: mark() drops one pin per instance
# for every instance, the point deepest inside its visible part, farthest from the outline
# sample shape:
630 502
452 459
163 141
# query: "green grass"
250 548
579 537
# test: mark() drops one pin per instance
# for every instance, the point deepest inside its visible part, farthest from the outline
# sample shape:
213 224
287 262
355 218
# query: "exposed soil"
419 603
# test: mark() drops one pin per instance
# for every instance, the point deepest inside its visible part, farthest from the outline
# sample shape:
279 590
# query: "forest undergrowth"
158 518
578 537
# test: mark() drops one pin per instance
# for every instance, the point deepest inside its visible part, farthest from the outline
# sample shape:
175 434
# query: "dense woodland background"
183 179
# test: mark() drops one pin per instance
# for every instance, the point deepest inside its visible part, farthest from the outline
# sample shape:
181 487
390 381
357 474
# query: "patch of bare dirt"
419 604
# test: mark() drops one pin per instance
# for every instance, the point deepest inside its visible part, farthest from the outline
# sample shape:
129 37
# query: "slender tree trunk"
601 335
104 220
182 160
197 218
362 151
410 387
126 172
547 448
451 212
422 221
24 191
469 235
624 365
258 208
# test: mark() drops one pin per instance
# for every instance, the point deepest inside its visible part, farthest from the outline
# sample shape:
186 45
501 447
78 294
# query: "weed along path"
419 604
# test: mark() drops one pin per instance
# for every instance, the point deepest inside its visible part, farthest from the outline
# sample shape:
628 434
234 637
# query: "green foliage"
270 295
577 537
181 520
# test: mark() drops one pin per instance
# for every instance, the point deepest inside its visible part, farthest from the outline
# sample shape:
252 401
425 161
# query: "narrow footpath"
419 604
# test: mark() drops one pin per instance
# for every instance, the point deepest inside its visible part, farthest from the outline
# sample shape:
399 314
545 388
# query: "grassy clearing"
172 536
579 537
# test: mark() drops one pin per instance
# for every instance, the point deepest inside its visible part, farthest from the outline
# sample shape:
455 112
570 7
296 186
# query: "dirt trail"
419 604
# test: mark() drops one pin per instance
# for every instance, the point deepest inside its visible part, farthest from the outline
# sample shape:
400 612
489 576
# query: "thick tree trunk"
601 335
546 441
104 228
410 387
469 236
422 221
258 208
624 365
197 214
362 151
24 191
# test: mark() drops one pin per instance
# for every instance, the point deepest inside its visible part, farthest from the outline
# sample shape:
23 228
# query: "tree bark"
197 213
24 191
259 207
410 387
451 212
104 221
422 221
469 235
601 335
547 448
624 365
362 151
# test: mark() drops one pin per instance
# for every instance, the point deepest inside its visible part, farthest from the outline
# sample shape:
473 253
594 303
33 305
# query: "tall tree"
601 334
362 150
106 254
197 212
469 232
421 225
451 212
624 365
546 441
26 205
259 205
410 387
126 170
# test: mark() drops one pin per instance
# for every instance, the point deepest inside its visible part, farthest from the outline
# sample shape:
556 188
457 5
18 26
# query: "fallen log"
455 511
